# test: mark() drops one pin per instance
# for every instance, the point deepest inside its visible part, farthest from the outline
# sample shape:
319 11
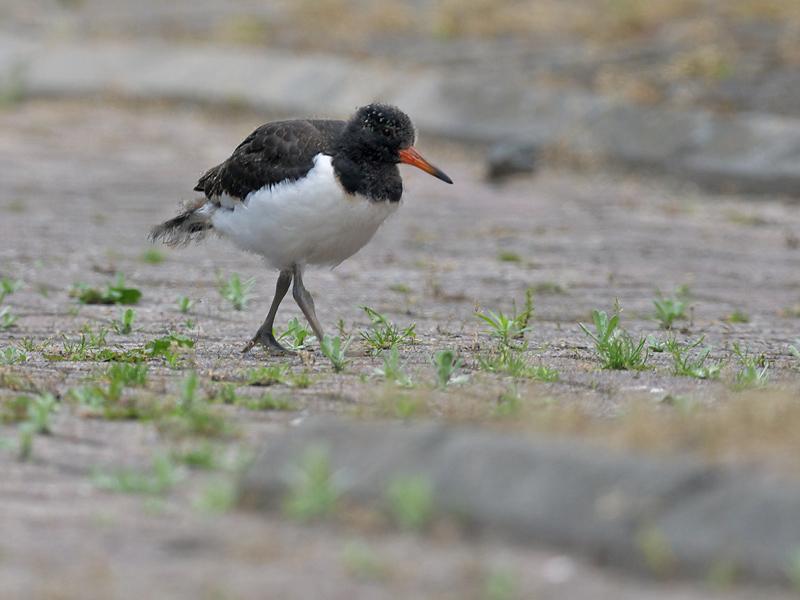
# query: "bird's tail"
191 225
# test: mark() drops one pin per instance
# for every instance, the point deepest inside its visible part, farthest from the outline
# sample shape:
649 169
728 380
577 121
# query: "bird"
303 192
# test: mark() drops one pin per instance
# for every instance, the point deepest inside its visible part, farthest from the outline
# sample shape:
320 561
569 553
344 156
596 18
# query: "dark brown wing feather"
275 152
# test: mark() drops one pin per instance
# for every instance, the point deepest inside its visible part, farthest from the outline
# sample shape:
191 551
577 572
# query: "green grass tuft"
115 292
334 350
448 363
383 334
614 346
8 286
410 500
312 494
689 361
7 320
236 291
392 370
669 309
153 256
163 475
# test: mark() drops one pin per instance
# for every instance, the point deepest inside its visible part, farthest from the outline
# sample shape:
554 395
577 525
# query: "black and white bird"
303 192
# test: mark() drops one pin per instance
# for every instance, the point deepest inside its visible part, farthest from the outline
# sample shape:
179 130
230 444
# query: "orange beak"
410 156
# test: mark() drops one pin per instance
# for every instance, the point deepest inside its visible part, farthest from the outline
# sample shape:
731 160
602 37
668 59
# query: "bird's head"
383 133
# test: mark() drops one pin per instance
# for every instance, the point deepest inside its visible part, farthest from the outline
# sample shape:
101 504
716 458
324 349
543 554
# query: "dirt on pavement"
82 184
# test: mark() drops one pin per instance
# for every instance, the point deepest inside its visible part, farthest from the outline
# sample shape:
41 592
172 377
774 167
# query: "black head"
384 134
380 131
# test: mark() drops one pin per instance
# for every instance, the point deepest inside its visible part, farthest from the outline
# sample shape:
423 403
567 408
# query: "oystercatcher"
303 192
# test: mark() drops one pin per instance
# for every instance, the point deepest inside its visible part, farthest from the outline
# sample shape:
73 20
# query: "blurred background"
703 89
720 54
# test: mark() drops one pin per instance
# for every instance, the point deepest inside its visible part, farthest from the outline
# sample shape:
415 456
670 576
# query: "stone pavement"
83 181
613 507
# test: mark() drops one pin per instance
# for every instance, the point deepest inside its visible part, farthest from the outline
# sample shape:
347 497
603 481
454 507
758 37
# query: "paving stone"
563 493
747 521
747 153
645 137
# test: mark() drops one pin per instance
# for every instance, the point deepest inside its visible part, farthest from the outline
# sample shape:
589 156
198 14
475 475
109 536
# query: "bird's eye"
387 132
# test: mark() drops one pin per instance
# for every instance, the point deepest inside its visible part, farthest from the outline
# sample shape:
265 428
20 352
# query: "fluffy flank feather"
190 226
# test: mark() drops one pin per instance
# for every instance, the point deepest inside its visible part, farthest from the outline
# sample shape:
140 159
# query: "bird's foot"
268 342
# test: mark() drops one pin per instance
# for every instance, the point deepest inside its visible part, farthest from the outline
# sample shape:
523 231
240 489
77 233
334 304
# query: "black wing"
275 152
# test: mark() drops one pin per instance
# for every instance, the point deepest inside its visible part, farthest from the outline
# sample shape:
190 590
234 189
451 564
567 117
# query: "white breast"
309 221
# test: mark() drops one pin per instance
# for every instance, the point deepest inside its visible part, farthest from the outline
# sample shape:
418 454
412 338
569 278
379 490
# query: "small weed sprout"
77 349
410 501
689 361
738 316
91 346
185 304
11 355
753 370
7 320
236 291
508 357
29 345
124 325
169 347
153 256
512 361
266 402
106 402
38 413
40 409
217 497
406 407
192 415
392 370
447 363
509 256
383 334
340 327
160 479
127 374
334 350
8 286
266 376
508 404
115 292
505 328
614 346
669 309
196 419
25 446
94 338
226 394
794 349
295 335
400 288
508 328
300 380
312 494
202 455
189 391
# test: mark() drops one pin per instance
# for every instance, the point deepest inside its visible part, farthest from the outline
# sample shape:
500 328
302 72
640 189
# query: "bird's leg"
306 302
264 335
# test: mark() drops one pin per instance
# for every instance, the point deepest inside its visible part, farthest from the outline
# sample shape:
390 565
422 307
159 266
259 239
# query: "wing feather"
275 152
